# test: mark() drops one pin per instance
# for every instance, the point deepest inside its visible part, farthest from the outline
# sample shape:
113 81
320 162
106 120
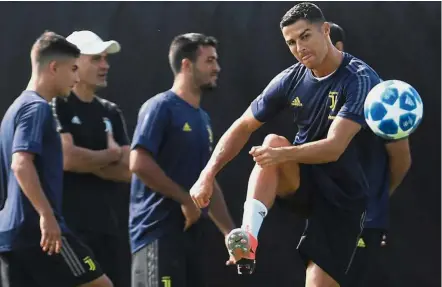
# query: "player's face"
93 69
307 42
206 68
65 76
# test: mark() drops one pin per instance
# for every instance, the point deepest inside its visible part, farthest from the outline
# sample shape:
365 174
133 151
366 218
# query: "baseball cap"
90 44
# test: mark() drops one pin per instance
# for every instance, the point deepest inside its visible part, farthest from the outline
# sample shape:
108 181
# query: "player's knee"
317 277
102 281
273 140
286 193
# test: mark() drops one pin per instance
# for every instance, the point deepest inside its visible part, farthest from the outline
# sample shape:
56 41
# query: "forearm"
117 171
155 178
219 213
317 152
29 182
228 147
78 159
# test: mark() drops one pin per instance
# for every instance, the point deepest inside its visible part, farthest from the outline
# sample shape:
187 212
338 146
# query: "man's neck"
37 84
84 92
331 63
187 91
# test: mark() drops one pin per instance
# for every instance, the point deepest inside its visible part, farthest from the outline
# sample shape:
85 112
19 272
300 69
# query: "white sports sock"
254 213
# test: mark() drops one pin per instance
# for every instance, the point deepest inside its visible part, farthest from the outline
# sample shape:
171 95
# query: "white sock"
254 213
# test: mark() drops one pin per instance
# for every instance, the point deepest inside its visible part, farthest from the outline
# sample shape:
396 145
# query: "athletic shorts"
331 234
112 254
175 259
370 265
73 266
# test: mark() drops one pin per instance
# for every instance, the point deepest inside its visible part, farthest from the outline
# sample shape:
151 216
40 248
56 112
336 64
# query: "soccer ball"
393 109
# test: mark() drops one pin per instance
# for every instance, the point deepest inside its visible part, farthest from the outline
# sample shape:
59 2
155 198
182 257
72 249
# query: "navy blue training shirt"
179 138
315 102
28 126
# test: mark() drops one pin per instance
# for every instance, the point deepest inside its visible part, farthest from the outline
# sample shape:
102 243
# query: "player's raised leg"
264 185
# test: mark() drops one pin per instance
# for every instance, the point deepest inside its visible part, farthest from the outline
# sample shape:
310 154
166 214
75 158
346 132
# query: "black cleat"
246 266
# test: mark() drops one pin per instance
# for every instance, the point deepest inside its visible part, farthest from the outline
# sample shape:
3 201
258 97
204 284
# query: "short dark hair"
336 33
50 46
302 11
186 46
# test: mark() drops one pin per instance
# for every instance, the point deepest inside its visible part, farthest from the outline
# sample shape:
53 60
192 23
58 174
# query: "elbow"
68 163
17 168
335 152
134 167
407 163
18 165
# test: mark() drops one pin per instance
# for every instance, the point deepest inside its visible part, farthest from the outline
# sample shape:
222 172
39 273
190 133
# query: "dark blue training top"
179 137
315 103
28 126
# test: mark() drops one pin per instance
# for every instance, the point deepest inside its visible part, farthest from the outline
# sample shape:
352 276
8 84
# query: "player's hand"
113 147
50 234
191 213
267 156
202 191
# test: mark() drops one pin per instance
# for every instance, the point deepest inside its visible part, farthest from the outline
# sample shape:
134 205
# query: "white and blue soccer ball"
393 109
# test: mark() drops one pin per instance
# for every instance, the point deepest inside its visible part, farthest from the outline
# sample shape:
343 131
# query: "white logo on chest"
76 120
108 125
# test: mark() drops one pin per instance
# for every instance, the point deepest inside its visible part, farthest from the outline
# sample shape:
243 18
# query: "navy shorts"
331 234
174 259
73 266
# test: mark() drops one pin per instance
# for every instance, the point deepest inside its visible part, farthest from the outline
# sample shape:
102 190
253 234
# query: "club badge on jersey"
108 125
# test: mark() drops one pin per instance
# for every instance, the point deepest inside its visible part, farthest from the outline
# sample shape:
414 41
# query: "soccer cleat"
242 246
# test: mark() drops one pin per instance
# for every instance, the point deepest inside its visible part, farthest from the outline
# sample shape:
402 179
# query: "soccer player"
171 145
386 163
36 246
96 158
326 91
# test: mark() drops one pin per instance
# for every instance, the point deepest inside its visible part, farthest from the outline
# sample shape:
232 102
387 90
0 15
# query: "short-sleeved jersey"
28 126
179 138
88 203
315 103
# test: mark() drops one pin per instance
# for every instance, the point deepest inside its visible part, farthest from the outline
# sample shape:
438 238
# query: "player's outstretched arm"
230 144
330 149
219 213
340 134
399 162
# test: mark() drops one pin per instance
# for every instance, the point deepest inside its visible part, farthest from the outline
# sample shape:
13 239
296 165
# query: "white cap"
90 44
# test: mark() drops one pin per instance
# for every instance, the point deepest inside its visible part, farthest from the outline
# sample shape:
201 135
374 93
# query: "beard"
203 81
207 87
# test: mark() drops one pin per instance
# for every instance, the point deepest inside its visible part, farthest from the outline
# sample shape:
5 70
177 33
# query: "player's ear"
185 64
326 28
53 66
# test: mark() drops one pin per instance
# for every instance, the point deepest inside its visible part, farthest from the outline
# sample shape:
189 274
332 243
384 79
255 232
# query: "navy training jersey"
315 102
179 138
28 126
